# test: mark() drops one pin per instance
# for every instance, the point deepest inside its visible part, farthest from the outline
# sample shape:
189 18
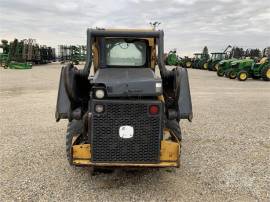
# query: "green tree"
266 52
205 52
237 52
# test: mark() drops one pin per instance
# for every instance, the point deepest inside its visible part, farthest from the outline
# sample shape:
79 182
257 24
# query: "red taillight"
153 109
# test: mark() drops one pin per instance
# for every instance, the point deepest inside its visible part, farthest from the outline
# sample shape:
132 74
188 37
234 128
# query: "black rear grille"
108 146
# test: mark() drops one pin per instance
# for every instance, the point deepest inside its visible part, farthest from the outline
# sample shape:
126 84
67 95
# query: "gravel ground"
225 154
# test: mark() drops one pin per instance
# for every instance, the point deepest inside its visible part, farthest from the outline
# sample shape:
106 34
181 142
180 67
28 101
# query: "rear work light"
99 108
153 109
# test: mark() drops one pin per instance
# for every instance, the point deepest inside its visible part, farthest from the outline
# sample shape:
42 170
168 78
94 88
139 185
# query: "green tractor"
223 66
172 58
200 61
186 62
237 66
255 70
213 63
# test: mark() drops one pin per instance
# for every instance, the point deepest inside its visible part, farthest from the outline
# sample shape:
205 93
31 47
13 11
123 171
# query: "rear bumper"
169 157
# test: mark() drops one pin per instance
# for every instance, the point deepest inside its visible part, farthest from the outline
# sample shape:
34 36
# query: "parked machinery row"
246 64
22 54
233 62
242 69
73 54
199 61
206 61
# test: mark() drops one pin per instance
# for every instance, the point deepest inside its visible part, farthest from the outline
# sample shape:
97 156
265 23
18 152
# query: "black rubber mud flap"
63 102
174 127
184 101
74 130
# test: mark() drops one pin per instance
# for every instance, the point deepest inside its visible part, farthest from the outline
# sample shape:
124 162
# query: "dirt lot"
225 154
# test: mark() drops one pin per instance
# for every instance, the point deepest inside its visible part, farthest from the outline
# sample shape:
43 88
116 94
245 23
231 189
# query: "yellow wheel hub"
188 64
243 76
205 65
216 66
268 74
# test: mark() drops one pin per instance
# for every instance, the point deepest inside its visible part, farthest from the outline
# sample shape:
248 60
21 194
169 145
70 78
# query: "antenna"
155 25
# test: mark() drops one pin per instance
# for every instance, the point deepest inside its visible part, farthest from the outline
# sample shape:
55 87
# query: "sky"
188 25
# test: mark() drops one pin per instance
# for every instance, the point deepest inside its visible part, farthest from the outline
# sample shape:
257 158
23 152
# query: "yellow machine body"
169 156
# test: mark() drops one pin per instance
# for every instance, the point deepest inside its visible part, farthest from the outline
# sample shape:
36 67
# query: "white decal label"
126 132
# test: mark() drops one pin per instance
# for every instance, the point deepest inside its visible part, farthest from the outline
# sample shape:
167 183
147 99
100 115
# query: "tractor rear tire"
220 72
216 66
266 73
227 73
232 75
188 64
242 75
73 135
205 66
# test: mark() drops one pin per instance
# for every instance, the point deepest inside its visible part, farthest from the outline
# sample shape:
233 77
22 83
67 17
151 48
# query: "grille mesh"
108 146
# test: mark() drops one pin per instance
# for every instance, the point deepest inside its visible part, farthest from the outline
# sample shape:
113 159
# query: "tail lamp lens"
153 109
99 108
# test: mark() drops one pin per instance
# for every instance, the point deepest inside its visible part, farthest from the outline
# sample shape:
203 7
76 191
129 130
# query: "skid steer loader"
123 114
